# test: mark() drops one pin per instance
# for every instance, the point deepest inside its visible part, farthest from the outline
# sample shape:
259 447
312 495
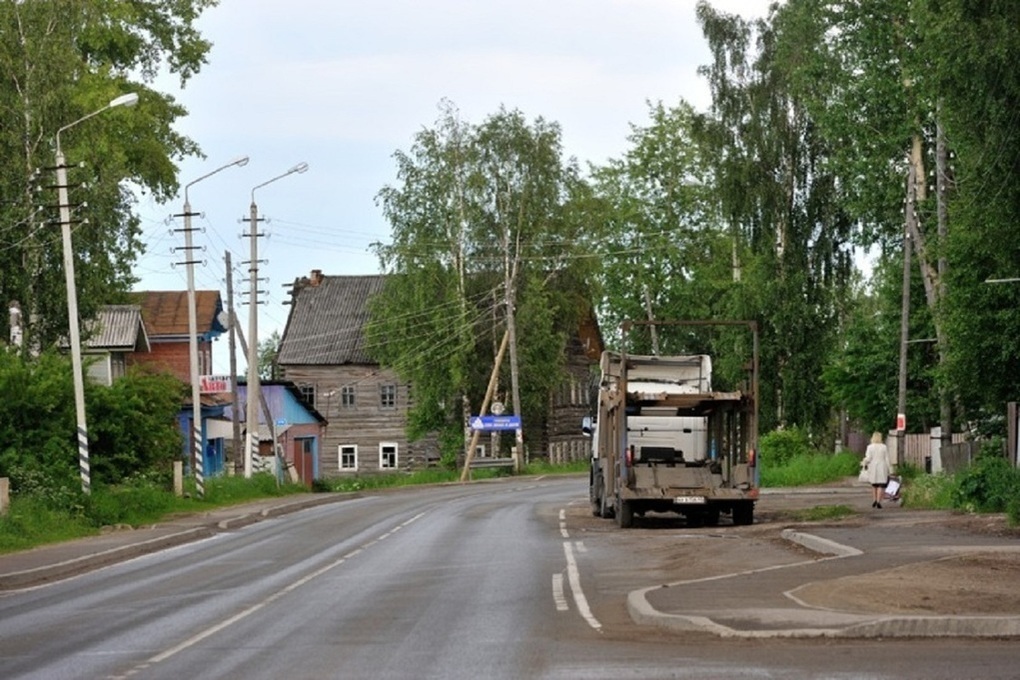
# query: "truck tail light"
630 455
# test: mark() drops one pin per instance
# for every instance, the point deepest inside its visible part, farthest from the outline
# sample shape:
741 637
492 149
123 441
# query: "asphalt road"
495 580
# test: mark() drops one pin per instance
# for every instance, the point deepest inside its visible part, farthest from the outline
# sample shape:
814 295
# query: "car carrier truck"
663 441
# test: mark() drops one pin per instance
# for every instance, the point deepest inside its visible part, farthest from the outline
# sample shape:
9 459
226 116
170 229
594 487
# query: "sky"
341 85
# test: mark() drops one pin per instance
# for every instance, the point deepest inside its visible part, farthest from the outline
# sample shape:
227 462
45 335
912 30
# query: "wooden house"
323 353
115 339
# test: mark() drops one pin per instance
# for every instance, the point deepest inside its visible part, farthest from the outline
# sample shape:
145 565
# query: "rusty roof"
166 312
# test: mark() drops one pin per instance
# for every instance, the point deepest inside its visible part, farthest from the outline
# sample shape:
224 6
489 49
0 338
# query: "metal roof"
326 320
166 312
118 327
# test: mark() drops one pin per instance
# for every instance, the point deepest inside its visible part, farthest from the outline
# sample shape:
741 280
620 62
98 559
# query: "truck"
664 441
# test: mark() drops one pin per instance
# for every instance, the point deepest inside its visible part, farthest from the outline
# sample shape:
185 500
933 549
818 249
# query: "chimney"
316 278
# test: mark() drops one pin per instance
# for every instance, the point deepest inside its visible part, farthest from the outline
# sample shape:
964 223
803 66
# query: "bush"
779 447
988 485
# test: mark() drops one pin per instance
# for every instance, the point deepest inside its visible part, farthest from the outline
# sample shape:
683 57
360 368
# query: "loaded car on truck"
664 441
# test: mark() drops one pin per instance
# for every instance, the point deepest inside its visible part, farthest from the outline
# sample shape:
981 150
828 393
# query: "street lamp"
196 405
129 99
251 416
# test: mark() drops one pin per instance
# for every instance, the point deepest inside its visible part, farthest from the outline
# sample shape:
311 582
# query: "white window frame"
352 448
383 453
480 451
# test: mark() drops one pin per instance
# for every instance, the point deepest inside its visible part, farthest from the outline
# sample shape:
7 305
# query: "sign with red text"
211 384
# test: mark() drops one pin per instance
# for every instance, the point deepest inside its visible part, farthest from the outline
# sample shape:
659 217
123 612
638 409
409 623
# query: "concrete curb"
61 570
819 623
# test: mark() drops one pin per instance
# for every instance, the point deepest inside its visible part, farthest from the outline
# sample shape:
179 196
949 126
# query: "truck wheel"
743 514
596 496
624 514
608 511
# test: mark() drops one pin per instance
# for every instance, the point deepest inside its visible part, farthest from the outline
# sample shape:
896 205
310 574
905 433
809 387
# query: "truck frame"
664 441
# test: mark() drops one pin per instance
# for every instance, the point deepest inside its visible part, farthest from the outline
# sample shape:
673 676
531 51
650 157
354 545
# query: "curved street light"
251 409
129 99
195 449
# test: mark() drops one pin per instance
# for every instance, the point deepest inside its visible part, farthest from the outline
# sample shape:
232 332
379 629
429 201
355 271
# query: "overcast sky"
343 84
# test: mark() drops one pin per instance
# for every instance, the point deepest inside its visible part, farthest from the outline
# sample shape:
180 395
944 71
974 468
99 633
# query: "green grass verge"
32 521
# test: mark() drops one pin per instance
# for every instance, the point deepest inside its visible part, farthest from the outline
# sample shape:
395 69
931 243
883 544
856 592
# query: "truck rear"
664 441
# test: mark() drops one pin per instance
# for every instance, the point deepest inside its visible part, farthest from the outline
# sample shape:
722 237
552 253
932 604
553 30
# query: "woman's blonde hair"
876 437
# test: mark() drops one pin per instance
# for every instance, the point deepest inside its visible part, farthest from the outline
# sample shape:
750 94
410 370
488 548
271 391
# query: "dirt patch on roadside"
974 584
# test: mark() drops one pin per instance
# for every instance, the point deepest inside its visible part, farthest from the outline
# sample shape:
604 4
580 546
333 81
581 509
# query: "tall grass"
812 468
41 518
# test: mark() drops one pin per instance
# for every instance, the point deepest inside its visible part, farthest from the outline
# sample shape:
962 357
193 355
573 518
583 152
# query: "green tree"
483 221
664 246
779 194
267 353
59 61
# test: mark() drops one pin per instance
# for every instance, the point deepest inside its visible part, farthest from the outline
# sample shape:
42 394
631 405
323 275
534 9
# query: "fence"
918 449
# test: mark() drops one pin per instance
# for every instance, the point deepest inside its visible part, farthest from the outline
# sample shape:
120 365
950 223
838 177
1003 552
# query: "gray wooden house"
322 351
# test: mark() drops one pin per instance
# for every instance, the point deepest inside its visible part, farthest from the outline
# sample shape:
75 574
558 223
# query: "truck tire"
608 511
743 514
597 492
624 514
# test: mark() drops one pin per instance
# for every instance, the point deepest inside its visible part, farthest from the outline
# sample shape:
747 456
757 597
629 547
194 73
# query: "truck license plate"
689 499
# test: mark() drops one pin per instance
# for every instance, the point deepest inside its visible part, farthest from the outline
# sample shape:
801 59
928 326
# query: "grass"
804 470
32 521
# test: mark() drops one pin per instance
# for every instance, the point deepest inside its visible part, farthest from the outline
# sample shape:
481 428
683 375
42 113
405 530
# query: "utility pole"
942 207
232 335
251 417
74 338
251 413
901 403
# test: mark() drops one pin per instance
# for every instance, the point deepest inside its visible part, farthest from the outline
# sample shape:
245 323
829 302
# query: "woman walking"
876 465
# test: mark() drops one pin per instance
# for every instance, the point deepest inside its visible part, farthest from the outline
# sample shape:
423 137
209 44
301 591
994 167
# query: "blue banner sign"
491 423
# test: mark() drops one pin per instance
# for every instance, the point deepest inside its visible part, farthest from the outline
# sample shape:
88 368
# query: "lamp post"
251 415
196 398
72 295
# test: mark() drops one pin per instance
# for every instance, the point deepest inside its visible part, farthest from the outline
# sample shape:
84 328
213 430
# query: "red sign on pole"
210 384
901 422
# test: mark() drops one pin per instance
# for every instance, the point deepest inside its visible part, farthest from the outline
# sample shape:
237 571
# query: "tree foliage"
483 216
61 60
133 427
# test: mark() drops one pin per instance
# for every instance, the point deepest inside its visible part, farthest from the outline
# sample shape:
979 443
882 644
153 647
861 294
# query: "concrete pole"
251 417
195 449
72 293
72 320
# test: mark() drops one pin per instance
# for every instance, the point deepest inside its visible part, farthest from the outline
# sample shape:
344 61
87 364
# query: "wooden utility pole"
941 191
235 449
470 453
909 227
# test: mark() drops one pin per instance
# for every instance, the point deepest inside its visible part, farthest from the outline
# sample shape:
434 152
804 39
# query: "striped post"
83 459
196 446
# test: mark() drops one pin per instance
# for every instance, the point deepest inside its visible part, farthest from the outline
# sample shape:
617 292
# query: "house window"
480 451
308 394
348 457
347 396
387 456
388 396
